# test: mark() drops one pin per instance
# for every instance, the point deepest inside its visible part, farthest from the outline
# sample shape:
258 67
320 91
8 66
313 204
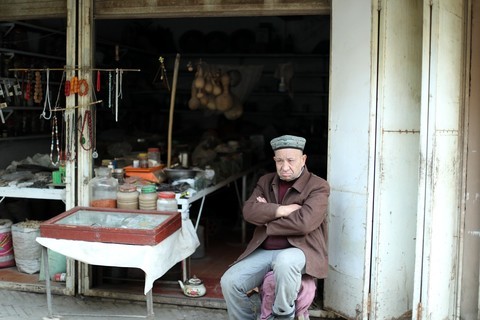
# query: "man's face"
289 163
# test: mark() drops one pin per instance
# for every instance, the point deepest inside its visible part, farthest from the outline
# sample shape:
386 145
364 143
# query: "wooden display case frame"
54 228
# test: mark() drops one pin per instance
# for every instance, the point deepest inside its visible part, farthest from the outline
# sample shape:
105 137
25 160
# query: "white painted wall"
441 148
469 296
349 157
396 162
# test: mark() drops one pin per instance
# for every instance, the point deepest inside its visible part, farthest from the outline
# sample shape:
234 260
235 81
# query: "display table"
155 261
241 196
32 193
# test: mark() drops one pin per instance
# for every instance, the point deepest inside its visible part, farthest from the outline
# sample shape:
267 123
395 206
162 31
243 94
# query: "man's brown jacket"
305 228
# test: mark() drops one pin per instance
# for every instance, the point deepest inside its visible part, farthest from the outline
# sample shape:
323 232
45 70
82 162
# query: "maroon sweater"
279 242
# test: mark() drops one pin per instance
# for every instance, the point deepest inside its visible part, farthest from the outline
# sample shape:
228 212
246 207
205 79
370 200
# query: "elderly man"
289 210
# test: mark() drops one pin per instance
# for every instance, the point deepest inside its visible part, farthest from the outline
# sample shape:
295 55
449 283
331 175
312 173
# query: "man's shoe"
290 316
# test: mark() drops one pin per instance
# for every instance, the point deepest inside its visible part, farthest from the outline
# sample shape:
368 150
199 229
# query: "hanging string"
121 84
78 107
47 99
162 72
59 90
92 91
116 95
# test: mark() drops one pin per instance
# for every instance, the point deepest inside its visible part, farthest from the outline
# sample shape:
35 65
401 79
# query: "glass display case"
137 227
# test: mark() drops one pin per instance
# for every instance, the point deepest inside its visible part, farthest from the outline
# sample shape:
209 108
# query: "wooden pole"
172 107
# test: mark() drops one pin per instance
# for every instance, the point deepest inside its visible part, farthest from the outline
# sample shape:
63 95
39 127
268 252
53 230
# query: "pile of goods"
6 245
28 252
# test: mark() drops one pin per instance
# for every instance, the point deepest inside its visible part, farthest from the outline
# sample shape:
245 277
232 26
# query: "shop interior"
277 70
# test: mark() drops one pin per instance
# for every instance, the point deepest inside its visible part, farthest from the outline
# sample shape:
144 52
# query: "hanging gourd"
224 101
236 111
217 88
194 102
199 81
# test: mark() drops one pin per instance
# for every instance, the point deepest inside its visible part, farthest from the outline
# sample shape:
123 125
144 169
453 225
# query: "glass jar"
153 156
143 159
127 197
166 201
147 200
119 174
103 189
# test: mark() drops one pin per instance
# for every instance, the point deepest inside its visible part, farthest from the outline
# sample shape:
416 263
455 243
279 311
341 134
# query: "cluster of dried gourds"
211 90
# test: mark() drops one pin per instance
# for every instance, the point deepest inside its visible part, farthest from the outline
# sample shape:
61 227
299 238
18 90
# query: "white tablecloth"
154 260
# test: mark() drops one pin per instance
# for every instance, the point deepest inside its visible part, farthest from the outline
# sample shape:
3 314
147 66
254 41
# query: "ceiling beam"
128 9
32 9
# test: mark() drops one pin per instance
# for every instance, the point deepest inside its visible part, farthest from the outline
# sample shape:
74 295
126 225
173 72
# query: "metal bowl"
178 174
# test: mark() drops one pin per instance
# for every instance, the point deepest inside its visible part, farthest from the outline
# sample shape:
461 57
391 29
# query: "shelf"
291 114
32 193
247 55
254 93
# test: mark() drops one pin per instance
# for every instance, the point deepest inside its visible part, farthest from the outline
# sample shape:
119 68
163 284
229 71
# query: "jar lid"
166 195
153 150
150 188
127 187
102 171
118 170
142 155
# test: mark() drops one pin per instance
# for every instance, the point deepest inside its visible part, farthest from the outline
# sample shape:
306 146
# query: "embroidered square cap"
288 141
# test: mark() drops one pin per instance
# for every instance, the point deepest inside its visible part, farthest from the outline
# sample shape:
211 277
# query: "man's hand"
285 210
261 199
282 211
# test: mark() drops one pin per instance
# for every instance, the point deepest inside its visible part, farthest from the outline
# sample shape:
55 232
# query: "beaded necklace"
70 143
55 141
37 95
110 90
88 121
55 122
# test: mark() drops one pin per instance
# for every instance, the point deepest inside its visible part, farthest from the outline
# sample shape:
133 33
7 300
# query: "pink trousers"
304 299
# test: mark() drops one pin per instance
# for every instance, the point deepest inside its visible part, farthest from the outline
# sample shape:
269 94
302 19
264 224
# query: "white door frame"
441 160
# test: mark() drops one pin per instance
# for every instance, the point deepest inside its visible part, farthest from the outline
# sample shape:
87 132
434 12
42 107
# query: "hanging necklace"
83 141
118 89
57 102
70 135
63 141
98 81
55 141
109 89
116 94
94 134
37 95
